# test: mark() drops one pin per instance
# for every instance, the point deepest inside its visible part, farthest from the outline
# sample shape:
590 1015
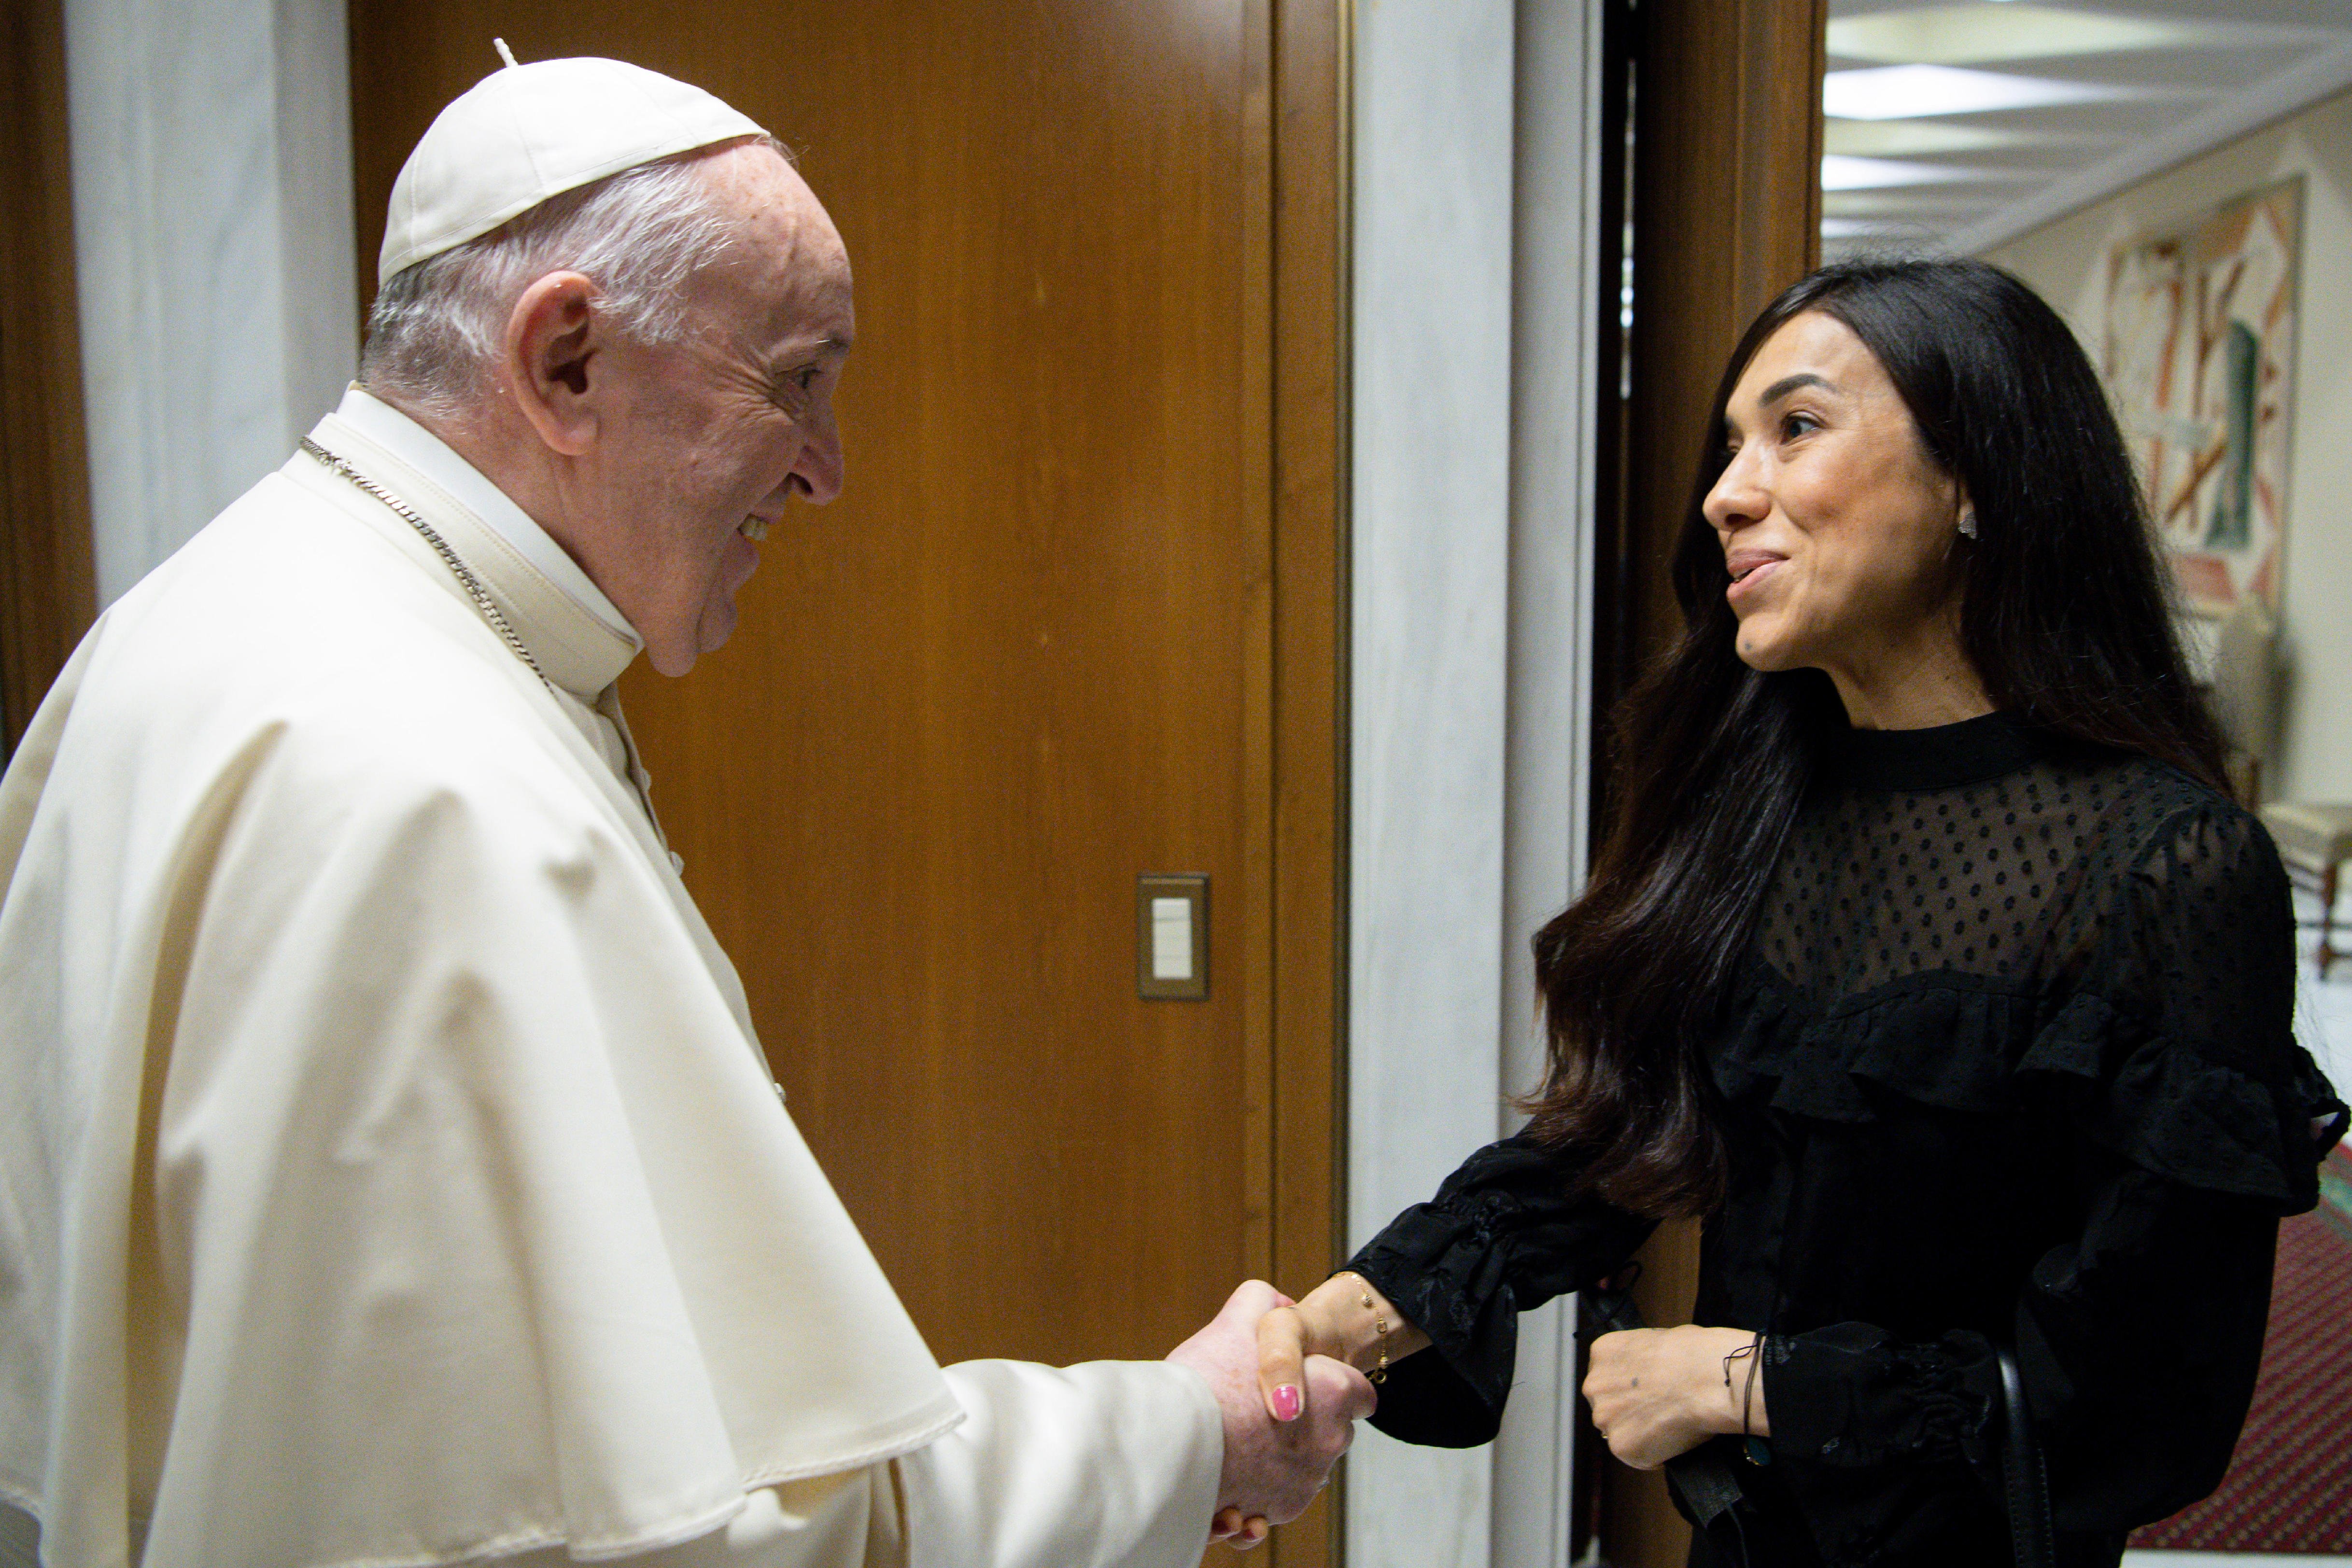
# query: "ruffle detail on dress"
2173 1111
2146 1097
1923 1044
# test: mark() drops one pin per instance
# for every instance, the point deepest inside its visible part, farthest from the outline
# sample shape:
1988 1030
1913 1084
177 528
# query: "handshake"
1281 1375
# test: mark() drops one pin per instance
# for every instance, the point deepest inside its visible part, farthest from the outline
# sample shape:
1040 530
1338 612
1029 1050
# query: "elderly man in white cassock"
389 1174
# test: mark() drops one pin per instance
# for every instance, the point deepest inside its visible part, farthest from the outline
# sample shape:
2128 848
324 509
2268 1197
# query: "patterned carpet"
2290 1486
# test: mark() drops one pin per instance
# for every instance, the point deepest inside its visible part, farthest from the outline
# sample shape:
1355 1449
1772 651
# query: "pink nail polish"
1285 1403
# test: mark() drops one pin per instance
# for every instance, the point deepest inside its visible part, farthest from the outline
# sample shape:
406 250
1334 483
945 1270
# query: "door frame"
1296 372
48 592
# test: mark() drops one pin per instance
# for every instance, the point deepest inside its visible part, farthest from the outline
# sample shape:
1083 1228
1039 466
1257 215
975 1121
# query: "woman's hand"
1239 1531
1657 1393
1340 1318
1271 1471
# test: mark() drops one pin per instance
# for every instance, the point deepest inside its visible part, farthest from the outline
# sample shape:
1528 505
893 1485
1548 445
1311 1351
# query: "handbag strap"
2024 1477
1710 1488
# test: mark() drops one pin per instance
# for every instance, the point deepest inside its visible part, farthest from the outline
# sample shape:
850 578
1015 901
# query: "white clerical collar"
568 629
429 454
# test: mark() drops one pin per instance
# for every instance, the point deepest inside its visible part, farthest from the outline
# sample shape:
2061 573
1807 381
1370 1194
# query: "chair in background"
2313 840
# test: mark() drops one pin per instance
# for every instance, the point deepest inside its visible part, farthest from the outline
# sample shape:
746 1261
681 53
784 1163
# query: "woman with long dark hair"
1927 959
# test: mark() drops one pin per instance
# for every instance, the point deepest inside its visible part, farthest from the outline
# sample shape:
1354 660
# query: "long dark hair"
2065 616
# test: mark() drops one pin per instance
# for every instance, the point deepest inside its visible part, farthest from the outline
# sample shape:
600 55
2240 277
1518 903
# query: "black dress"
2009 1059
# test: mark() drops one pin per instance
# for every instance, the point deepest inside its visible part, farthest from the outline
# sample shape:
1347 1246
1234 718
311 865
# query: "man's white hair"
639 236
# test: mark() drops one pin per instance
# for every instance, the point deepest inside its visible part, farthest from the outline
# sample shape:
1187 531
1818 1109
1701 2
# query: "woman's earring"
1967 522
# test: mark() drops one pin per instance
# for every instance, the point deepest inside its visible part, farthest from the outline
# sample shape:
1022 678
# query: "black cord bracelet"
1758 1450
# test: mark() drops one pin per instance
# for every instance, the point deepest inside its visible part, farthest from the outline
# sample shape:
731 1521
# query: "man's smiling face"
710 436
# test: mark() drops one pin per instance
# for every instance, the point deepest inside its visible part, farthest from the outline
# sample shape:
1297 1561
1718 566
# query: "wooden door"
1726 199
1075 620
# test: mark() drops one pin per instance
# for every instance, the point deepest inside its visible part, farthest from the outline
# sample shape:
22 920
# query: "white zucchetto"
528 132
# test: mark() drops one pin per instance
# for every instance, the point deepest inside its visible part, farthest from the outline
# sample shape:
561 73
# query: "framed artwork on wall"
2200 357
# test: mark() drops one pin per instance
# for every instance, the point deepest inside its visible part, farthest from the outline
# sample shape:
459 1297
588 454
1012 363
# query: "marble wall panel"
1431 545
1475 312
1555 375
213 229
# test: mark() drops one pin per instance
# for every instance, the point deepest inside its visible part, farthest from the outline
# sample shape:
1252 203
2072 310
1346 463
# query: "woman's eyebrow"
1788 384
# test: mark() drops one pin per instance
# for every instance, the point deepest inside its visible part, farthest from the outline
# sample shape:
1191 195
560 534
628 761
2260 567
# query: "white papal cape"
388 1171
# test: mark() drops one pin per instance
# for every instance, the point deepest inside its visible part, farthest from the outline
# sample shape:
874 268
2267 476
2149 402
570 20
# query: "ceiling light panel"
1982 34
1909 137
1840 172
1911 92
1925 202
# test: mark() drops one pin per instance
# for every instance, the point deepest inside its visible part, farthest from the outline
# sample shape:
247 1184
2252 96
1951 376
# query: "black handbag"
2025 1481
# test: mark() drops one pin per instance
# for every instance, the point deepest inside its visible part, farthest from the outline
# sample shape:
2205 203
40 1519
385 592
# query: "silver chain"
473 585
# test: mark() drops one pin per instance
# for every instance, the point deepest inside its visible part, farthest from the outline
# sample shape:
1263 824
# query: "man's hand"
1272 1469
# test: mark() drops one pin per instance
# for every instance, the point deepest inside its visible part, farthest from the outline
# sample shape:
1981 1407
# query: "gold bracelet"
1378 1374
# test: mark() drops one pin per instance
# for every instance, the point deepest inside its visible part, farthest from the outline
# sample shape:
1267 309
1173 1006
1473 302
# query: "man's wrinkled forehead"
791 255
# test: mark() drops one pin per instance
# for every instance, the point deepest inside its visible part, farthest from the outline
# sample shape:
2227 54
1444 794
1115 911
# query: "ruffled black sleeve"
1501 1236
2184 1044
2198 1122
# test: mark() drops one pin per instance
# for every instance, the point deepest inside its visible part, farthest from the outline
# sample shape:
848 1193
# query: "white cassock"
389 1174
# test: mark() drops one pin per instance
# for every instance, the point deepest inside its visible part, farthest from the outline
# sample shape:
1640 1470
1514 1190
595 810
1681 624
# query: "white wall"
2066 261
1475 306
213 226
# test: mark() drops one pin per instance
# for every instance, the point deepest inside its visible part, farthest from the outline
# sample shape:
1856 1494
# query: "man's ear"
555 337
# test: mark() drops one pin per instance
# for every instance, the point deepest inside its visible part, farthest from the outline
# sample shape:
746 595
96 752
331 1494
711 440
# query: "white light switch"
1171 938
